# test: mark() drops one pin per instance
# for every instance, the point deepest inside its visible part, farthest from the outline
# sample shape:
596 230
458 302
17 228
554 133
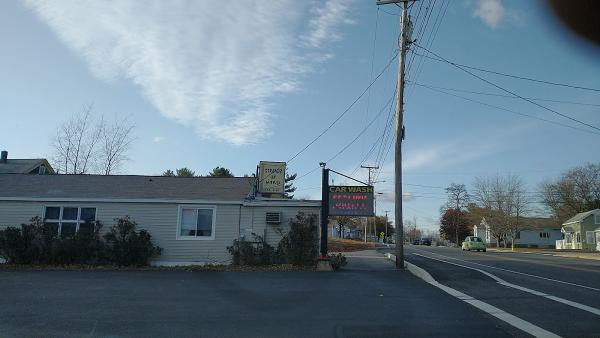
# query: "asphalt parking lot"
369 299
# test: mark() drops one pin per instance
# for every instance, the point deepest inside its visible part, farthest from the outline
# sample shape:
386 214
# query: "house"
534 232
193 219
582 231
24 166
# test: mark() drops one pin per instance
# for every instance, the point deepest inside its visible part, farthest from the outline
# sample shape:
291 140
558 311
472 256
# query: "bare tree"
75 143
84 145
576 191
115 140
458 199
504 202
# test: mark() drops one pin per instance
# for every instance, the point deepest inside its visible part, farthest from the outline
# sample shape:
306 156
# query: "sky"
231 83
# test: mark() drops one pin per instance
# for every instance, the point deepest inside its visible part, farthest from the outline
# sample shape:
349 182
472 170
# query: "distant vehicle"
473 243
426 241
417 242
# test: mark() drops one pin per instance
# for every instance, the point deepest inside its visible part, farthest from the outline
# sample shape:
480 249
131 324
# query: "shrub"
126 246
85 247
299 245
337 261
256 252
29 244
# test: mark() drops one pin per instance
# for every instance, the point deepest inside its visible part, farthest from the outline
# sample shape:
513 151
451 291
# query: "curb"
415 270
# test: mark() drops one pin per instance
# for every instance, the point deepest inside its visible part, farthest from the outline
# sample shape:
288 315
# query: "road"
368 299
558 294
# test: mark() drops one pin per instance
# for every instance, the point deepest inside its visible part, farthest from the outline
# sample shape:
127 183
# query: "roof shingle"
125 187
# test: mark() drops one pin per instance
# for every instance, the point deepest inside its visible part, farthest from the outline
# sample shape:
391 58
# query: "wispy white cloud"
213 66
491 12
158 139
326 21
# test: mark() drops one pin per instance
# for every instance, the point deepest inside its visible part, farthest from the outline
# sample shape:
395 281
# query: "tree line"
504 204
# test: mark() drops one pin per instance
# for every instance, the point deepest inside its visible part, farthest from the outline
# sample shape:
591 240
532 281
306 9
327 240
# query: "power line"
353 140
502 95
372 63
510 92
512 111
440 59
345 111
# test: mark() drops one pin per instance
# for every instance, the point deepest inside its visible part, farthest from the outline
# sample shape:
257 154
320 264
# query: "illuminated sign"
271 177
351 200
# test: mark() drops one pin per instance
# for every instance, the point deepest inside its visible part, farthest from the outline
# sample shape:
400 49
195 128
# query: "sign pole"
324 209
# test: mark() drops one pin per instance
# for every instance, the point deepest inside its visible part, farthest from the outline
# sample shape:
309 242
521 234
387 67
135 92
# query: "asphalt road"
368 299
569 303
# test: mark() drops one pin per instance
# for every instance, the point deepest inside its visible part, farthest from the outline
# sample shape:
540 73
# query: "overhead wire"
503 95
509 91
345 111
439 59
511 111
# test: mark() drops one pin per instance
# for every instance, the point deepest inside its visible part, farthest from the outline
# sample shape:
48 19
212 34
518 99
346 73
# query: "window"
597 219
589 237
196 222
578 237
66 221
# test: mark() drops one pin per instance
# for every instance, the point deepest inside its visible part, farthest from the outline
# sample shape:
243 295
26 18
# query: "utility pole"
404 25
386 223
369 168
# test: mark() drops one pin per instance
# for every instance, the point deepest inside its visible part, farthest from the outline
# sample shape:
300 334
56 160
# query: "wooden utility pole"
399 130
369 183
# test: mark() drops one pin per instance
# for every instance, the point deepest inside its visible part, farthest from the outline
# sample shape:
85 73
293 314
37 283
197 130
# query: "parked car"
473 243
417 242
426 241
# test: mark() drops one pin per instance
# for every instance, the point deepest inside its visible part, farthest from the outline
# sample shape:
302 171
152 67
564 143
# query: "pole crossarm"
346 176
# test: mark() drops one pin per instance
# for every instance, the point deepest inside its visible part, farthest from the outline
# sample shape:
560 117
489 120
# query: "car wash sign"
351 200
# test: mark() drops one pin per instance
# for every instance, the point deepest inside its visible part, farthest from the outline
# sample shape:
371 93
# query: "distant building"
582 231
535 232
39 166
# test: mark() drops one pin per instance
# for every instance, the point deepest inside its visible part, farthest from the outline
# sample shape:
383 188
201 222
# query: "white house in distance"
535 232
193 219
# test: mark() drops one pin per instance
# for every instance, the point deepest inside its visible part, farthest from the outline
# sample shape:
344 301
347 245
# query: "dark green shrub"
29 244
85 247
299 245
126 246
256 252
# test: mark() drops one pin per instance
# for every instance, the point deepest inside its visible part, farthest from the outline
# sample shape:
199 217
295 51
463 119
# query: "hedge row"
38 243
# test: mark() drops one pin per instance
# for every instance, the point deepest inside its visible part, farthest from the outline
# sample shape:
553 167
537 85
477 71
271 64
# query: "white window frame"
596 219
60 221
196 238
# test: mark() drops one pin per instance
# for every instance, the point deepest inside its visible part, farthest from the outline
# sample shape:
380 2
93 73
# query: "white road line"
522 288
504 316
515 272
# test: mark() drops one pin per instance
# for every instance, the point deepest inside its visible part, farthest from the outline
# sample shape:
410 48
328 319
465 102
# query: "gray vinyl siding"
17 213
160 219
253 220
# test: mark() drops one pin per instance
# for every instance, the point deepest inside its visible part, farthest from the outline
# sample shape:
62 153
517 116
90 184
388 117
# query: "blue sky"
232 83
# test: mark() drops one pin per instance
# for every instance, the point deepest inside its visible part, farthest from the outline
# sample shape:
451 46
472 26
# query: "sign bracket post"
324 209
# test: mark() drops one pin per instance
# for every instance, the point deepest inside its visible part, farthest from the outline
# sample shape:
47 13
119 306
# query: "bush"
299 245
337 260
256 252
29 244
38 243
85 247
126 246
